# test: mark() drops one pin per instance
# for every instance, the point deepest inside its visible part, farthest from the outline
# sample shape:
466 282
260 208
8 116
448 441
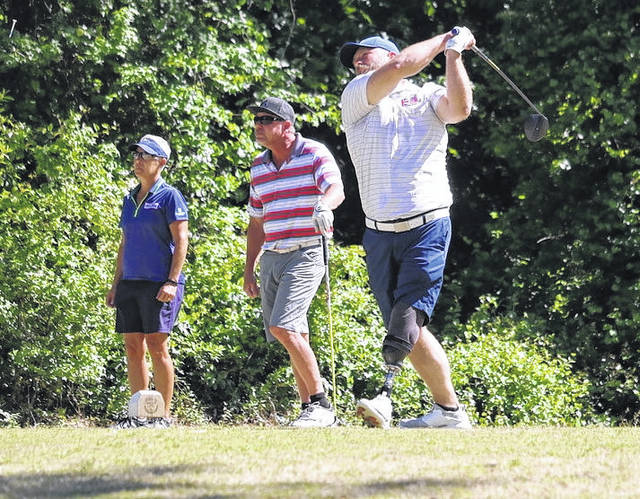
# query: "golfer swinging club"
295 183
397 139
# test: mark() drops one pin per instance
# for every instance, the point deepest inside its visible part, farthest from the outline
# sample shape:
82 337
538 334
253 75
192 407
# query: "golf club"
536 125
325 251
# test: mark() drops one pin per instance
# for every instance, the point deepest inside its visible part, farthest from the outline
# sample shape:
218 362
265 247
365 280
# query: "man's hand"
250 285
323 219
464 40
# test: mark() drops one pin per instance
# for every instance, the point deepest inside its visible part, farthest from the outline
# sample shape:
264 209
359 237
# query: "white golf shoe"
437 417
375 412
315 416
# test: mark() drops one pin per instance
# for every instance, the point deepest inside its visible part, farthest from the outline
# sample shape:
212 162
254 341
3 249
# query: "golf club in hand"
536 125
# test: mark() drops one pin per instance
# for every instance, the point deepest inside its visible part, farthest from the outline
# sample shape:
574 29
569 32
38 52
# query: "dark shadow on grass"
91 484
141 480
423 487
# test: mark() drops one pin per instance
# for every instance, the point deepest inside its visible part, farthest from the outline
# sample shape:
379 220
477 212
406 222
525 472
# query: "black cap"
275 106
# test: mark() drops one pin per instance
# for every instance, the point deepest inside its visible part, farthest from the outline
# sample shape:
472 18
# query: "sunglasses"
265 120
142 155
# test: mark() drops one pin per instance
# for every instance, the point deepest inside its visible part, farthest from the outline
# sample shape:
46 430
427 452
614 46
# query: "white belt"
306 244
407 224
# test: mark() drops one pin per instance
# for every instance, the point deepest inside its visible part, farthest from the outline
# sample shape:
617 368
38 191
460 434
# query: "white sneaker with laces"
315 416
376 412
437 417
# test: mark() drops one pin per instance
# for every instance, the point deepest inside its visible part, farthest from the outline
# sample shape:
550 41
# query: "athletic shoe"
440 418
375 412
129 422
315 416
158 423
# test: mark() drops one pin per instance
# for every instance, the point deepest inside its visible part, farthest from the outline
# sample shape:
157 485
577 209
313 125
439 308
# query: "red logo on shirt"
410 101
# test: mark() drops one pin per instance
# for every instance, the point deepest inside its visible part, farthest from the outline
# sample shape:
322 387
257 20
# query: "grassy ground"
236 462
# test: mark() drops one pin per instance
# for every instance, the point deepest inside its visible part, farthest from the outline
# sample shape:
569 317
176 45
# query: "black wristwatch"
171 281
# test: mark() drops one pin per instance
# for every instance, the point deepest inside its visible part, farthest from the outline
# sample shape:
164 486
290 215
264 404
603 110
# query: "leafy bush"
507 379
57 209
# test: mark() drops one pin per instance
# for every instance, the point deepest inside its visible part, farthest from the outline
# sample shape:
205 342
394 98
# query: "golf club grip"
325 250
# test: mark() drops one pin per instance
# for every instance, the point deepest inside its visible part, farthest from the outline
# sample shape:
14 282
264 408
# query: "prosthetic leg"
404 330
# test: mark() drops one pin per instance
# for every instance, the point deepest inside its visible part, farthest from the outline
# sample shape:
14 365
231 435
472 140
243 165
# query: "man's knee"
404 330
283 335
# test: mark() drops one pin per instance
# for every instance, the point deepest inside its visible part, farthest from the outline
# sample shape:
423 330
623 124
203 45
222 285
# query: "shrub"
507 379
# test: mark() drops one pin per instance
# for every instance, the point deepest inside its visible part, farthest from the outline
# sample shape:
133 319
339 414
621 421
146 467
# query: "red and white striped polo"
284 198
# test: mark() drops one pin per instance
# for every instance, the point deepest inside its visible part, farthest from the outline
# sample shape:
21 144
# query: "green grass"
217 461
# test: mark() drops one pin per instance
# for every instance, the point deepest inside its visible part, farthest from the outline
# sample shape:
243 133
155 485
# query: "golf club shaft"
504 76
334 391
495 67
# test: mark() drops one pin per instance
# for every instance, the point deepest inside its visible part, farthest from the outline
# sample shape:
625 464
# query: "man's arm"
255 239
333 197
408 62
455 106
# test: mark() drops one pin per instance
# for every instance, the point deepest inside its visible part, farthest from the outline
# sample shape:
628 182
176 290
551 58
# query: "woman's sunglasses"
265 120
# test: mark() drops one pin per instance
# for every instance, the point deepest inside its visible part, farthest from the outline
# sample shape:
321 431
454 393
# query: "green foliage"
549 228
507 379
56 206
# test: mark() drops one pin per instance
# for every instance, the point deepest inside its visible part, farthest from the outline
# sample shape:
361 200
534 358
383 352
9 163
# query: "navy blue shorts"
408 267
138 311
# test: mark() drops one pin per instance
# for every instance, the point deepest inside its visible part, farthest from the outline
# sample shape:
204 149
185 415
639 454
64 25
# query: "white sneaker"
315 416
439 418
376 412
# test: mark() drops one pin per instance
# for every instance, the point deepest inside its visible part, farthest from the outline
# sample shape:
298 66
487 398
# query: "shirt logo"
410 101
152 206
180 212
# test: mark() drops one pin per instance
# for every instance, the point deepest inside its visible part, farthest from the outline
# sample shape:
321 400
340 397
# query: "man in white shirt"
397 138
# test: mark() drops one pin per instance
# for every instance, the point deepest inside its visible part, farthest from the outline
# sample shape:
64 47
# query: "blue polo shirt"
148 243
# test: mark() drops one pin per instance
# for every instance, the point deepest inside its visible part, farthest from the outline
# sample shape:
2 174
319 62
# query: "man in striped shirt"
295 184
397 138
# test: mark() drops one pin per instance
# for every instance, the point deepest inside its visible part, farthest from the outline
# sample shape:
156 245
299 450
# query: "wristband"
171 281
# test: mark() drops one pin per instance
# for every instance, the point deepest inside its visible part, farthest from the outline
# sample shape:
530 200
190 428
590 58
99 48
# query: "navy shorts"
408 267
138 311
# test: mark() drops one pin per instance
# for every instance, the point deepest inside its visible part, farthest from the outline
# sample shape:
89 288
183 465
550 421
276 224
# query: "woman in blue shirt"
148 284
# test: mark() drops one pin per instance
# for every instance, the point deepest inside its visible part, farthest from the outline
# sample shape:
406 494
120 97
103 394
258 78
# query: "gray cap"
275 106
348 50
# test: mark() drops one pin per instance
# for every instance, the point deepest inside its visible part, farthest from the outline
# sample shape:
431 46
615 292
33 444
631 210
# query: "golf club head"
535 127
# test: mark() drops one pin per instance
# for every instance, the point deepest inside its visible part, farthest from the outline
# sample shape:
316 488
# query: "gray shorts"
288 283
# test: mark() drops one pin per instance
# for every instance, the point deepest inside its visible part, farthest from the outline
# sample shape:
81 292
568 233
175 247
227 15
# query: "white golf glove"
460 41
323 219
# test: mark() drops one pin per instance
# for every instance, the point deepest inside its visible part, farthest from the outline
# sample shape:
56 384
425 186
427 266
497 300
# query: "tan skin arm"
255 239
455 106
180 233
333 197
408 62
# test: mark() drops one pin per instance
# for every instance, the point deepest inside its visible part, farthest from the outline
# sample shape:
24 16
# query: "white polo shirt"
398 148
